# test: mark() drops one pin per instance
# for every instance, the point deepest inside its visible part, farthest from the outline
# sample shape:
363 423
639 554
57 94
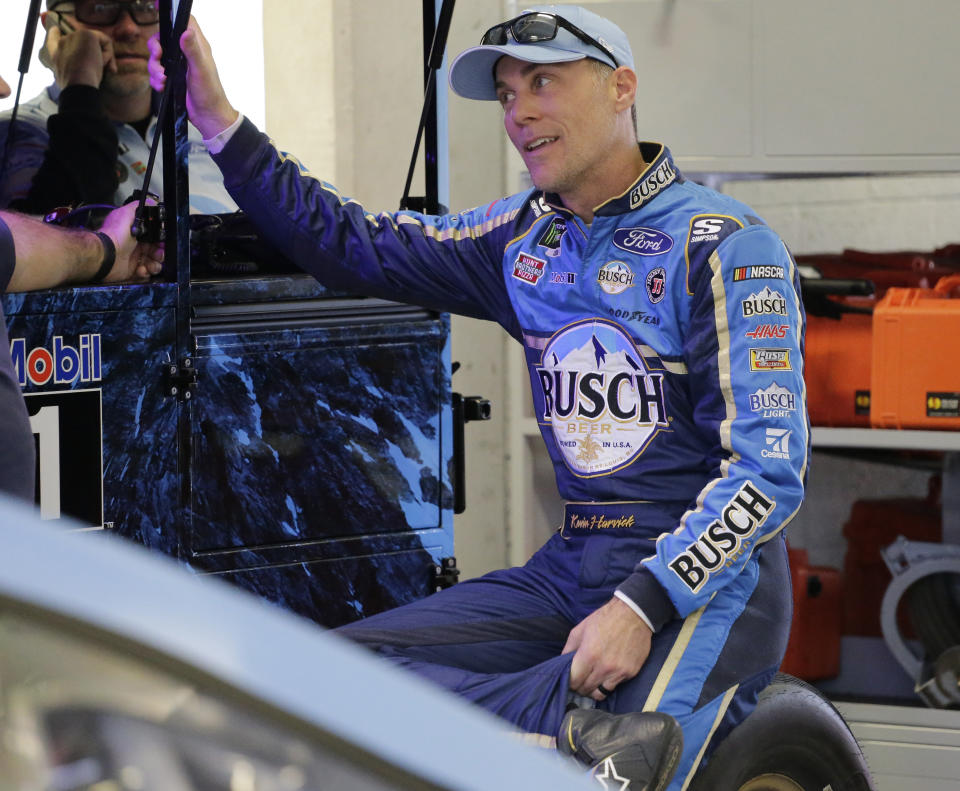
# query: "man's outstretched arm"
48 256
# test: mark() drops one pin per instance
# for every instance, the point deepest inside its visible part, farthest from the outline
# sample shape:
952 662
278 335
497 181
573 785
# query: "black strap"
109 257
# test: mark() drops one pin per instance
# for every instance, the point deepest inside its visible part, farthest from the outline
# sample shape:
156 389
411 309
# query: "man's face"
129 47
559 117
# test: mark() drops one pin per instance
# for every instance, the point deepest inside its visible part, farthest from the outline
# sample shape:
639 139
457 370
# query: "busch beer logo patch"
528 268
642 241
765 303
770 360
767 331
656 284
551 238
774 401
615 277
599 397
757 273
64 365
651 184
725 539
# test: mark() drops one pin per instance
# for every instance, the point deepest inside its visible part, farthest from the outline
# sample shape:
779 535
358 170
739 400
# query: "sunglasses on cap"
538 26
104 13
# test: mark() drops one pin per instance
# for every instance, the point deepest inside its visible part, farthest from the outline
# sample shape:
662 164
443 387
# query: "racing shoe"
625 752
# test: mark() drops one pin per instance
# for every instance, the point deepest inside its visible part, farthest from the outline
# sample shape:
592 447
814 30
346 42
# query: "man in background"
35 255
86 138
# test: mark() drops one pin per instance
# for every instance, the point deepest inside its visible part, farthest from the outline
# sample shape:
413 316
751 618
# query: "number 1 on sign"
46 424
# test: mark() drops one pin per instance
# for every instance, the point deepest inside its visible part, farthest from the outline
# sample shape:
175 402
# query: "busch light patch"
656 284
551 238
615 277
642 241
773 401
599 396
528 268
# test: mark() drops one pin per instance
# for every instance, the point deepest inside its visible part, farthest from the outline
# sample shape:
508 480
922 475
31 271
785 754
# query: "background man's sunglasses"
538 26
107 12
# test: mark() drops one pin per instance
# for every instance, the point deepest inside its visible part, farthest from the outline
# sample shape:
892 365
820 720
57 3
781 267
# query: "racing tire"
795 740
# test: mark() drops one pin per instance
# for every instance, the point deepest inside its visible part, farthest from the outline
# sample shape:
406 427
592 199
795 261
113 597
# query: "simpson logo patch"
528 268
615 277
770 360
725 539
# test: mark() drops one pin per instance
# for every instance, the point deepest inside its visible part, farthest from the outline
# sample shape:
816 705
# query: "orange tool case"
915 365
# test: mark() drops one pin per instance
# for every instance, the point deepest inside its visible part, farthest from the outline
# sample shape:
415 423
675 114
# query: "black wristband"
109 257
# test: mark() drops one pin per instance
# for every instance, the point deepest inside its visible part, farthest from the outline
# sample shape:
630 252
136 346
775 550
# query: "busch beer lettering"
615 277
652 184
602 402
724 539
64 365
765 303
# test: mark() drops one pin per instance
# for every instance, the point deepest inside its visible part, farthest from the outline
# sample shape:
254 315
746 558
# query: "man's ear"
625 84
48 21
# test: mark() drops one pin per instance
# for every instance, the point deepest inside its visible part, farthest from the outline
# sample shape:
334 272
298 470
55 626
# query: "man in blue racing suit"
663 331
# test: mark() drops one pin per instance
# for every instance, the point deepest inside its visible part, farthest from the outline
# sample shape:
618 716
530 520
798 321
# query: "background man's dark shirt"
17 453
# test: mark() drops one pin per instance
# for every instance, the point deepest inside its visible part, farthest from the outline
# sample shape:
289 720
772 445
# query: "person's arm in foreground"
48 256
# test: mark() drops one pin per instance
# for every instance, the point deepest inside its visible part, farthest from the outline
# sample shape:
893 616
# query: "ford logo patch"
642 241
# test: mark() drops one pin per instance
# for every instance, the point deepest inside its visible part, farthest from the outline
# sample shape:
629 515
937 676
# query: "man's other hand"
611 645
135 260
207 104
80 57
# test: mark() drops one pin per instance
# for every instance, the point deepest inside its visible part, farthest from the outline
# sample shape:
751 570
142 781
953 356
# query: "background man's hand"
80 57
611 645
207 104
135 260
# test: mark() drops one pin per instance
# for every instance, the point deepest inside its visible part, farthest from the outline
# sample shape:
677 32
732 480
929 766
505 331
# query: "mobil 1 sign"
68 430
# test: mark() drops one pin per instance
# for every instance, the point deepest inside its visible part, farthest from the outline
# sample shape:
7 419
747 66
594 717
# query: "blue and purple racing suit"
664 343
